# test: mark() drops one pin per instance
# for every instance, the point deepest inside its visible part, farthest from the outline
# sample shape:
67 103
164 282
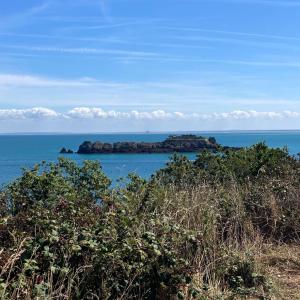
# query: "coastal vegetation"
223 226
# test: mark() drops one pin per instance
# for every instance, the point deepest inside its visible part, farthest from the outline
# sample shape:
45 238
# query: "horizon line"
150 132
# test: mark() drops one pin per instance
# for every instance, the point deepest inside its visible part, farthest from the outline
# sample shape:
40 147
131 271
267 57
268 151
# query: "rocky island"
174 143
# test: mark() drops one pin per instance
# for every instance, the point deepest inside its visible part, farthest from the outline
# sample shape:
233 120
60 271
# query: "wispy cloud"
237 41
102 26
287 3
105 40
105 11
86 51
65 37
12 80
206 90
234 33
239 62
19 18
253 63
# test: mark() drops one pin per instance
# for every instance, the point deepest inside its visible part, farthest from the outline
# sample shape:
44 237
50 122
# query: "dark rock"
107 148
212 140
66 151
86 147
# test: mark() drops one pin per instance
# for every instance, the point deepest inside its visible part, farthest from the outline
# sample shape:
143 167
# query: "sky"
149 65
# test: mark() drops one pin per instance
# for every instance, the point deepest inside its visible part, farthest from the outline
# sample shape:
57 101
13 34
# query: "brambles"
80 240
66 234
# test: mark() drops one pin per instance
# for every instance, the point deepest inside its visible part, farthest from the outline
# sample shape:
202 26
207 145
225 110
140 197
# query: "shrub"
65 233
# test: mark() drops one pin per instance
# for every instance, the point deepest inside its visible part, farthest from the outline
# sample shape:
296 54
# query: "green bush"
73 236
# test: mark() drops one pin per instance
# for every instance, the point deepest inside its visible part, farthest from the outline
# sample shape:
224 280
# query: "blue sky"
135 65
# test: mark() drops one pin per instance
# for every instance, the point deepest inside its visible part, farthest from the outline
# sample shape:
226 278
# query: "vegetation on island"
218 227
174 143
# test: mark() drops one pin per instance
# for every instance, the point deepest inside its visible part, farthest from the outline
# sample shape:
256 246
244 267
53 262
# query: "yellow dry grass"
282 263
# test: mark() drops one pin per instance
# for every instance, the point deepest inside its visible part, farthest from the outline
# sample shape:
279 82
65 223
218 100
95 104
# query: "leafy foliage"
65 224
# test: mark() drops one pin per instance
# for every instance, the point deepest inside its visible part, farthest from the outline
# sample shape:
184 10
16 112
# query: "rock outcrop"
180 143
66 151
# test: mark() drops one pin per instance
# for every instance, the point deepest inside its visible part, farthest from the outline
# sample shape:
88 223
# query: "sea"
18 151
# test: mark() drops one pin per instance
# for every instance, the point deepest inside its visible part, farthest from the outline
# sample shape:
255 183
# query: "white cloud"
251 114
31 113
98 113
95 113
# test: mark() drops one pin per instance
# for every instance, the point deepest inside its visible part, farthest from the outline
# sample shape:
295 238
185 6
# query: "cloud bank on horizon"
90 113
95 119
93 65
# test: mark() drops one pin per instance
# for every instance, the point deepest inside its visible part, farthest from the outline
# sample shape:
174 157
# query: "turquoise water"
17 151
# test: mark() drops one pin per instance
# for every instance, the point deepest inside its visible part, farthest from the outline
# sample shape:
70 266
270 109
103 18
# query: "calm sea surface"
17 151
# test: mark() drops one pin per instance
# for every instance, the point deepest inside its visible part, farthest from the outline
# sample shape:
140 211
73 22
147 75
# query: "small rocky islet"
66 151
174 143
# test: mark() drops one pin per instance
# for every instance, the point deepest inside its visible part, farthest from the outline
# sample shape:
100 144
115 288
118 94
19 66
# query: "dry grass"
199 208
282 264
